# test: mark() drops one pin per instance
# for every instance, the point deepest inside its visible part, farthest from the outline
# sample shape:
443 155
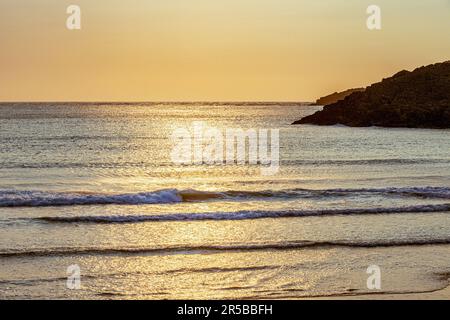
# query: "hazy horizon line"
161 101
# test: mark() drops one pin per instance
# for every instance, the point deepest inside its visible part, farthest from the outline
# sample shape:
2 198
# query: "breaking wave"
15 198
220 248
242 215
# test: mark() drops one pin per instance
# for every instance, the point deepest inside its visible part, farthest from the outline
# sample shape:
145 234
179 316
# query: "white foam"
38 198
14 198
246 215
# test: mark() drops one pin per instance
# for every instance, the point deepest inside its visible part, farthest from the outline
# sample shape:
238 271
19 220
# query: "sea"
92 206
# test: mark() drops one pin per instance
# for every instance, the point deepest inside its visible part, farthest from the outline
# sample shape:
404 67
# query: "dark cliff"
417 99
337 96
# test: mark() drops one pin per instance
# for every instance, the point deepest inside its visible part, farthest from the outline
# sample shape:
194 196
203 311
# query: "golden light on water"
98 186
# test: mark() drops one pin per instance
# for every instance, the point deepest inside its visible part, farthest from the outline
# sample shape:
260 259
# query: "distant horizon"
224 101
165 102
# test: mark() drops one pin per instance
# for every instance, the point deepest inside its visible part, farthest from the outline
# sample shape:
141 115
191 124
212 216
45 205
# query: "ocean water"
93 185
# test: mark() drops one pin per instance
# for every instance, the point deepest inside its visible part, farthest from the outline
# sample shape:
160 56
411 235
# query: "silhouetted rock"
417 99
337 96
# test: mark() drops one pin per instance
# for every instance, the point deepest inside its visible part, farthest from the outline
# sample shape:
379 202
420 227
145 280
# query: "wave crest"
181 249
242 215
14 198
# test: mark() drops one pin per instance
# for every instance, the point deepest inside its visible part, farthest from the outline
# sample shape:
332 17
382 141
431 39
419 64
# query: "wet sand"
439 294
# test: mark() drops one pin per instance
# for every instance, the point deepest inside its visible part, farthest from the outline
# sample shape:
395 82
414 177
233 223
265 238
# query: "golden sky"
219 50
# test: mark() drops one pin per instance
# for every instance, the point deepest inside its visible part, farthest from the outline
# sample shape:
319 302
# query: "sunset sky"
198 50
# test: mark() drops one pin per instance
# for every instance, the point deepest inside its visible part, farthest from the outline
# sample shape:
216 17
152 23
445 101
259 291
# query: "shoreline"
437 294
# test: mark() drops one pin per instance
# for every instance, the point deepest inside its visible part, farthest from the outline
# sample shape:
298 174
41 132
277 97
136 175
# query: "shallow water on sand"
94 185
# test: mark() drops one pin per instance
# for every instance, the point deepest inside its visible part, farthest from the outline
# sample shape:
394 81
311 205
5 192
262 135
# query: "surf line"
204 145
